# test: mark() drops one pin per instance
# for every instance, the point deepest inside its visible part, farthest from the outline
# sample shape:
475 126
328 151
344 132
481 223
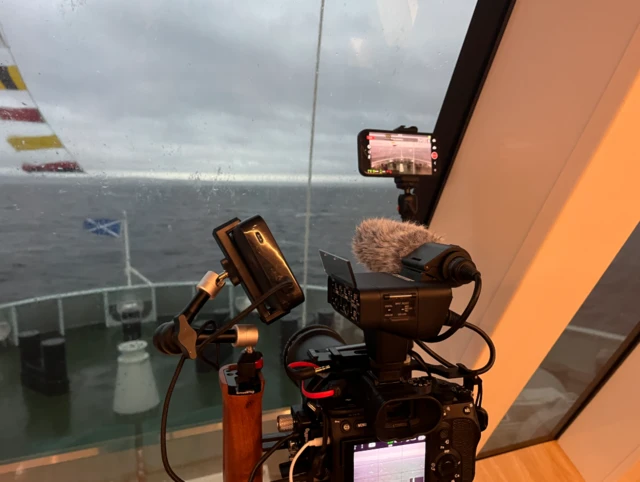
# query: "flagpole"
127 253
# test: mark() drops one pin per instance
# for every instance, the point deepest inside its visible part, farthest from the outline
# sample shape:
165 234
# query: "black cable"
212 364
426 367
490 345
434 355
176 374
163 422
165 413
448 364
269 453
459 323
423 364
479 394
207 324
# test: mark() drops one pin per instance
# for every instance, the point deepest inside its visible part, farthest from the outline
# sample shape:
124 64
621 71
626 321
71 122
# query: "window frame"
487 25
600 380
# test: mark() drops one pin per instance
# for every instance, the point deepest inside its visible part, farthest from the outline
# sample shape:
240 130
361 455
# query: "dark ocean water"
44 249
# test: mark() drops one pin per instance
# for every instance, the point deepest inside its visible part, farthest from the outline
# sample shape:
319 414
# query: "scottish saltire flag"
103 226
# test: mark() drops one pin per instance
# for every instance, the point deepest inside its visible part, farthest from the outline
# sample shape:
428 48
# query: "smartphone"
258 264
392 154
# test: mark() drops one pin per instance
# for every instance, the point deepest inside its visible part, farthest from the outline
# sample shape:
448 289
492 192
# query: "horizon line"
197 176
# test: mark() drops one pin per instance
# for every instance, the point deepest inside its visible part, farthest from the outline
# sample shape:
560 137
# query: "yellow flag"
34 143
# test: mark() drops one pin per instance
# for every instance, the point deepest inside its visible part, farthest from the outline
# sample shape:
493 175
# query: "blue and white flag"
104 227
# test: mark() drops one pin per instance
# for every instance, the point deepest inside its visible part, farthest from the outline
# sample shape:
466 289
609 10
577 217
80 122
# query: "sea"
45 249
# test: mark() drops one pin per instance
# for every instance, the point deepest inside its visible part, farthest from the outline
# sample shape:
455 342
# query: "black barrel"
54 379
29 343
54 356
131 330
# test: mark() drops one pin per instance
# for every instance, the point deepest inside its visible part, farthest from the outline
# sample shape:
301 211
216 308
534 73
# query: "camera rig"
354 398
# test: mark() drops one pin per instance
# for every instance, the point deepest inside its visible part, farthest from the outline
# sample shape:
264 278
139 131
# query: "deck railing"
59 312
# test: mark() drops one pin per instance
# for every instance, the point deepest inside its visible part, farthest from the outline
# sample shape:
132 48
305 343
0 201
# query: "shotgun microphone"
411 250
380 244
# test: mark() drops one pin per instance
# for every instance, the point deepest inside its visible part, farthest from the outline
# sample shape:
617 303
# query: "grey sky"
180 85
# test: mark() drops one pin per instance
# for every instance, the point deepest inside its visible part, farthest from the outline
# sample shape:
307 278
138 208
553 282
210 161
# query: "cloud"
205 86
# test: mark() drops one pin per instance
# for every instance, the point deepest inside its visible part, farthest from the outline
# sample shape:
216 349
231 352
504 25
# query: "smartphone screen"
393 154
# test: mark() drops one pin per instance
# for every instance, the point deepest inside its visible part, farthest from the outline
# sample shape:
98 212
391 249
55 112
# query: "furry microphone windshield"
380 244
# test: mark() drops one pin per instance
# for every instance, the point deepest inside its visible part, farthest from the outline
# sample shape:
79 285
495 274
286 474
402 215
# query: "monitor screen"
390 461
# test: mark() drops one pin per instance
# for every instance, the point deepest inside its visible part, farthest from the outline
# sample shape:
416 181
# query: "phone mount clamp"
408 201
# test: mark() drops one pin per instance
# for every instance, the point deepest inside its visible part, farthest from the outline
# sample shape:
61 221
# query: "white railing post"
14 324
127 252
154 305
105 302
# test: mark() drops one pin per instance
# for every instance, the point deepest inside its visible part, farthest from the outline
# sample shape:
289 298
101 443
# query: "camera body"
381 410
442 452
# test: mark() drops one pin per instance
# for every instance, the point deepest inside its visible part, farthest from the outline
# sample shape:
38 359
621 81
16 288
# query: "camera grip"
241 431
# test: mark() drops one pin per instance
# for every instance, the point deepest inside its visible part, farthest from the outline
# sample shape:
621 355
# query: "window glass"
128 130
609 314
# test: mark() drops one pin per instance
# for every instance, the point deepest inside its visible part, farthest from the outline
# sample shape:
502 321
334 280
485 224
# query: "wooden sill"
538 463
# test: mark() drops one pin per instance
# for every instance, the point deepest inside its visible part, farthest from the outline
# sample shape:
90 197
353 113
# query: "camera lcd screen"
392 154
390 461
